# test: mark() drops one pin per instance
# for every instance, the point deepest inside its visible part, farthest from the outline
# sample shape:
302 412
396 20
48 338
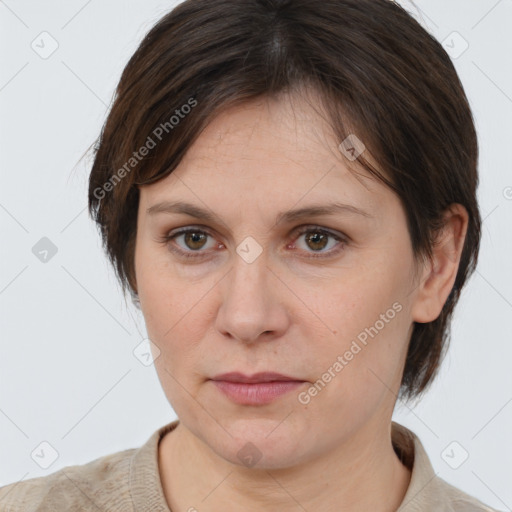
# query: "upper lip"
257 377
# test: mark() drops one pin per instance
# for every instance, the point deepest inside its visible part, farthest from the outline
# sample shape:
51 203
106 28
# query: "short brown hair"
378 74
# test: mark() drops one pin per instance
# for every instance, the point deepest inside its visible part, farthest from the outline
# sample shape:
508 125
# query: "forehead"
284 127
272 148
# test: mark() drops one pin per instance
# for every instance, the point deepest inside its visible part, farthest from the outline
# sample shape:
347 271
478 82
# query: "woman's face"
326 298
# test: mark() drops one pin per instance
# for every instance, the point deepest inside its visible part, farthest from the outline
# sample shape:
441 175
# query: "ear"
438 275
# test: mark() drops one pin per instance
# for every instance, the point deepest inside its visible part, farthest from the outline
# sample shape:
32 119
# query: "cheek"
174 313
162 295
366 342
356 376
170 312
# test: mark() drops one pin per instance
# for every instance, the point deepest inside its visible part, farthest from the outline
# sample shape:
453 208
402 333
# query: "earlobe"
439 274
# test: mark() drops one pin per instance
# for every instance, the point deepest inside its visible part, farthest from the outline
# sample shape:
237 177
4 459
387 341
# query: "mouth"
258 389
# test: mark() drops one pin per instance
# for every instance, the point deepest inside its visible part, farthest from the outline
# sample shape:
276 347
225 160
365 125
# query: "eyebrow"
286 217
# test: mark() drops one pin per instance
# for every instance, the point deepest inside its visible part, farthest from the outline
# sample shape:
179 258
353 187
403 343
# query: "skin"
287 312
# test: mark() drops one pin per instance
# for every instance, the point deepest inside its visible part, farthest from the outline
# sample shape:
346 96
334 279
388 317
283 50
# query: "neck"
363 473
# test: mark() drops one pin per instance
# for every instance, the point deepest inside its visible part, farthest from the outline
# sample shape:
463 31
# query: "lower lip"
259 393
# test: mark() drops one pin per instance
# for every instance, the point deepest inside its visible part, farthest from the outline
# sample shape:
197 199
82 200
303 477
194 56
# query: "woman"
287 189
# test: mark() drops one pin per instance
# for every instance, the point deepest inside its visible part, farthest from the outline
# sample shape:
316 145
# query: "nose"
253 302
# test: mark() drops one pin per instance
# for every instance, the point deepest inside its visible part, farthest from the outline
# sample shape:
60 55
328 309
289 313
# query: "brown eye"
316 240
318 243
189 243
195 239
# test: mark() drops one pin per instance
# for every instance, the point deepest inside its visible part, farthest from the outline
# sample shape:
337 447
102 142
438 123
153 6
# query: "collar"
425 487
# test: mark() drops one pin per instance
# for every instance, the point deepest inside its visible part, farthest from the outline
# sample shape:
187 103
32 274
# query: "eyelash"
307 229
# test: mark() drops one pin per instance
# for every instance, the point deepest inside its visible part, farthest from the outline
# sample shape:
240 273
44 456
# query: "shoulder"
427 491
448 498
102 484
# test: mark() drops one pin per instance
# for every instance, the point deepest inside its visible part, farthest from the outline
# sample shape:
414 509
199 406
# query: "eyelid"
341 238
299 230
171 235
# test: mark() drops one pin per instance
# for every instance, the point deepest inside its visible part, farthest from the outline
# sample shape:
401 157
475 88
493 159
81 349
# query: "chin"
260 443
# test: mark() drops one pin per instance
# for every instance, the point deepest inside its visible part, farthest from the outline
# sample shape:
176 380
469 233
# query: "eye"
316 239
192 241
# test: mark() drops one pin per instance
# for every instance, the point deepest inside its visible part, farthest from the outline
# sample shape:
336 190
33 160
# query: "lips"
257 377
258 389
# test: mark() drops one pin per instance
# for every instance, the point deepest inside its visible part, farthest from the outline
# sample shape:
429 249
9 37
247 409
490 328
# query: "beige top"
129 481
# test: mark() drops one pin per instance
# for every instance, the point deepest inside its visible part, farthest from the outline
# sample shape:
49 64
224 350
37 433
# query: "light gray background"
68 375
